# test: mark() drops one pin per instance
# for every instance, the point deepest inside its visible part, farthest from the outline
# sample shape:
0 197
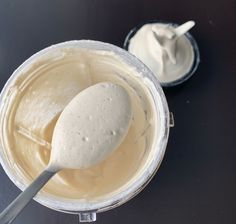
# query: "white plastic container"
87 210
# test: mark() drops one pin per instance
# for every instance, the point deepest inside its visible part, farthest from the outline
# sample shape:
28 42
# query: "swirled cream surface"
164 49
34 101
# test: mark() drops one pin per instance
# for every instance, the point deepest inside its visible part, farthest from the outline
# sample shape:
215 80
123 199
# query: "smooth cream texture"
164 49
38 96
91 127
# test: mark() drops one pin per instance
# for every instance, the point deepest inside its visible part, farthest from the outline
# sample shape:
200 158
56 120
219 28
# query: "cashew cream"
37 97
164 49
91 127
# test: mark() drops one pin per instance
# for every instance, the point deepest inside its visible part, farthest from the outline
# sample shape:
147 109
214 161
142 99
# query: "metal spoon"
104 102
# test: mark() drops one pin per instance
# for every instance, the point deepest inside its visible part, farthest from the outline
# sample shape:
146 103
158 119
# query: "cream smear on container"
165 49
37 93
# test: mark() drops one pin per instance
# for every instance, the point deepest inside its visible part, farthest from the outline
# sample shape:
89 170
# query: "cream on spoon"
89 129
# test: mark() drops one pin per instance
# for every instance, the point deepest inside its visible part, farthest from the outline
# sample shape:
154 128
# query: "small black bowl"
193 42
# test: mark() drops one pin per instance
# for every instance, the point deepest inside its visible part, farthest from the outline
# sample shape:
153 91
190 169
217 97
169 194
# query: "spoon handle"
10 213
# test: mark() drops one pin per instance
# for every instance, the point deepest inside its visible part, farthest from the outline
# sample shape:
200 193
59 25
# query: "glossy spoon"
89 129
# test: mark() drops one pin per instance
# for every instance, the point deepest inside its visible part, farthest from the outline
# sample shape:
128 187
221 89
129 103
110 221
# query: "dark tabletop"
196 182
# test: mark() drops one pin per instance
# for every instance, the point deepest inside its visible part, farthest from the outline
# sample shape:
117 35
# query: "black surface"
196 182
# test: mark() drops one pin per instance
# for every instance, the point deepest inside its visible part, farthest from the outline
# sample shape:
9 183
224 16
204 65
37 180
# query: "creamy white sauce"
40 93
164 49
91 127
